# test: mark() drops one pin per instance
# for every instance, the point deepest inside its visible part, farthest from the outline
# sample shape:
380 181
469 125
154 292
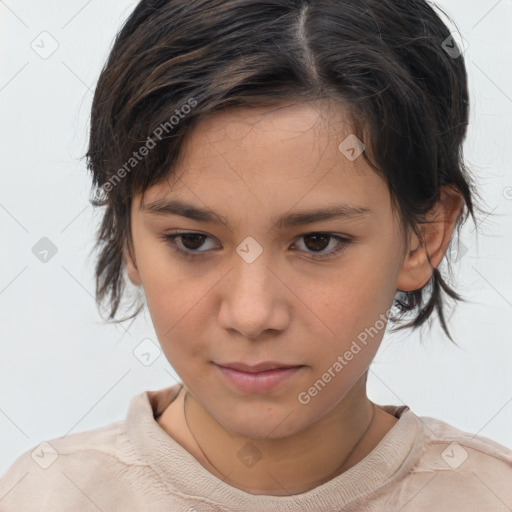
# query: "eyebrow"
287 220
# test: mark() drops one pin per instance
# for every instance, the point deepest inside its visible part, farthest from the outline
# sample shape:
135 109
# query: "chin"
263 424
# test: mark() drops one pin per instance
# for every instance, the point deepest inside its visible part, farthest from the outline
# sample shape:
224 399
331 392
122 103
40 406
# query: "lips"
260 378
260 367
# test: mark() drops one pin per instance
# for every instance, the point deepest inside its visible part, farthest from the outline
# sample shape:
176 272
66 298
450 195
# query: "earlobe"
415 271
425 254
131 267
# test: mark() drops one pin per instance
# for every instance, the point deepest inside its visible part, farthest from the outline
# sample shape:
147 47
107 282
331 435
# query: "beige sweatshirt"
422 464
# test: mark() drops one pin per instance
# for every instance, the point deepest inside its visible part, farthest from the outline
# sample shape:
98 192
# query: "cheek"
351 311
175 309
170 294
179 305
174 304
351 297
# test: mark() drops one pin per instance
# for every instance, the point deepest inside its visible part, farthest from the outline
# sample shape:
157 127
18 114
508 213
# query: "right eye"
186 244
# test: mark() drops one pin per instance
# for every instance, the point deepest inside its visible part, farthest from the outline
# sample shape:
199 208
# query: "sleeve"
38 481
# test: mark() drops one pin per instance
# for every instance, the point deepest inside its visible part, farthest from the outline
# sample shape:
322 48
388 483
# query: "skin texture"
251 165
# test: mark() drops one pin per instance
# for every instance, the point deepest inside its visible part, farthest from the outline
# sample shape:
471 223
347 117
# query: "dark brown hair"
174 62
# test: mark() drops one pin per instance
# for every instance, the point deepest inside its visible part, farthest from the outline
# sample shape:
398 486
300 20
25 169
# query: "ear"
435 236
131 267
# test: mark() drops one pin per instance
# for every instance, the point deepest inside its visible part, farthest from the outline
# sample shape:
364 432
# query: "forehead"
258 128
281 138
280 156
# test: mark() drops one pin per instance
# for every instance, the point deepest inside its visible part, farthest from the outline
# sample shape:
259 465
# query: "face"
242 287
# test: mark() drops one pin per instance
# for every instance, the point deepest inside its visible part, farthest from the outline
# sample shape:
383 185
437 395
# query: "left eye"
315 244
318 242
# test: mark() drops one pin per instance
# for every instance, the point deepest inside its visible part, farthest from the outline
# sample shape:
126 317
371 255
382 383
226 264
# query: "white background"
63 371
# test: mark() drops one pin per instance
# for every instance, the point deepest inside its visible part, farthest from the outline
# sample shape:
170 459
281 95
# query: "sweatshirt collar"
387 463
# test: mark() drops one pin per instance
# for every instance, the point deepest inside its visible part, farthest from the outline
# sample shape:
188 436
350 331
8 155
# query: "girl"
281 178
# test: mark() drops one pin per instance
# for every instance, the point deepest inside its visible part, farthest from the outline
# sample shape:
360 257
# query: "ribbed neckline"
397 452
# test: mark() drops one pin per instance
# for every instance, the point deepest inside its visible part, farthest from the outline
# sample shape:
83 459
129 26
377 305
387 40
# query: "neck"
282 466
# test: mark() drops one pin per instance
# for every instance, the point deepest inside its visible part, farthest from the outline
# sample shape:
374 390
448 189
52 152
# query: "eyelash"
170 239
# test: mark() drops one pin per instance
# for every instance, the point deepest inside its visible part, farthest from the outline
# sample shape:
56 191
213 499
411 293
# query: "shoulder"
459 449
110 441
68 467
463 471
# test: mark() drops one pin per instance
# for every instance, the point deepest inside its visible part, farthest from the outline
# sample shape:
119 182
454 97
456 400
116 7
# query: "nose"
253 299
